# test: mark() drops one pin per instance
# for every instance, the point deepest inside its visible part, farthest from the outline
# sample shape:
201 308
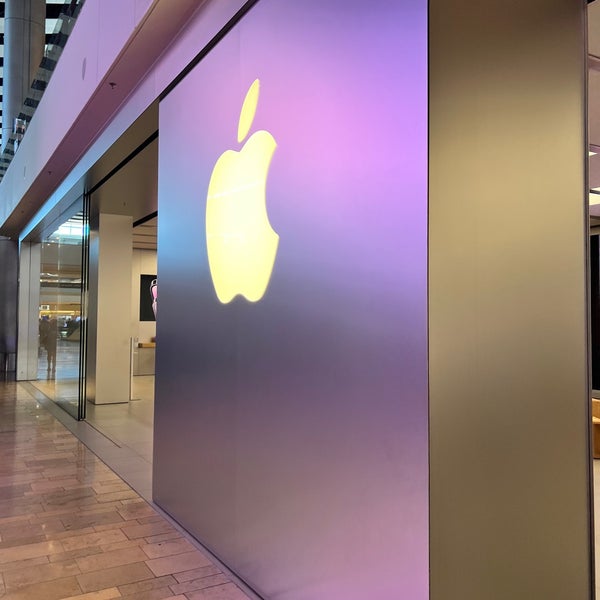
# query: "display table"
143 358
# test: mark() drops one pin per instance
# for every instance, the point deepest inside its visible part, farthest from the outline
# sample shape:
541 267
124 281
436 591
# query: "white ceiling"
133 191
144 236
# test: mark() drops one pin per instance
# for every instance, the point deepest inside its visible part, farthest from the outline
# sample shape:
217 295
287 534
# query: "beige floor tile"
115 525
12 510
47 590
71 529
120 545
139 531
197 573
114 577
71 554
229 591
122 495
17 531
23 541
136 511
158 594
132 501
10 521
29 551
168 548
93 539
51 526
47 513
18 578
178 563
29 563
146 585
199 584
69 533
114 558
61 472
107 594
20 478
104 507
70 504
14 491
163 537
91 519
150 519
107 488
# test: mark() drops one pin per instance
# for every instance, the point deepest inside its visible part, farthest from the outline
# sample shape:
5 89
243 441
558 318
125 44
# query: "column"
24 38
509 407
29 310
109 324
8 303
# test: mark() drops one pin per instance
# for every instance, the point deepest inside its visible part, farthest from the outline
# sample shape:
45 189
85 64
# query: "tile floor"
121 435
70 528
129 424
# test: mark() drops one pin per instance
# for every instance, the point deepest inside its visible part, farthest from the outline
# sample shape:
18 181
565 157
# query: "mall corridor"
72 529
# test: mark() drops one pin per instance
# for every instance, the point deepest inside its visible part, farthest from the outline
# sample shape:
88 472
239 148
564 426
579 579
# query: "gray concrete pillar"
8 303
24 37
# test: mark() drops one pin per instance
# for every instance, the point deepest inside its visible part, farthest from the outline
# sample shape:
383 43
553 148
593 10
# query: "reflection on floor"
67 361
62 383
129 424
70 528
129 428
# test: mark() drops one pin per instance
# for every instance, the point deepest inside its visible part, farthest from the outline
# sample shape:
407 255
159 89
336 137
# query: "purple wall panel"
291 433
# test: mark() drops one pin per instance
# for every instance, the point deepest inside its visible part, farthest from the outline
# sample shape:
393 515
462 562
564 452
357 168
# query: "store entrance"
122 303
129 422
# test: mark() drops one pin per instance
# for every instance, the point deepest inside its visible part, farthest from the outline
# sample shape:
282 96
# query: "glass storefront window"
60 374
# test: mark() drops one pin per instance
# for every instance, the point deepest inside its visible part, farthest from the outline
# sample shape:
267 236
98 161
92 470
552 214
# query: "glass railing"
53 50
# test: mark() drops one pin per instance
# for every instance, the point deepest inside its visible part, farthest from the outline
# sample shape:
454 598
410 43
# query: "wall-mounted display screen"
148 297
291 387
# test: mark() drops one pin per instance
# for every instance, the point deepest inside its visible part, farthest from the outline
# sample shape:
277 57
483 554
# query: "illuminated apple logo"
240 241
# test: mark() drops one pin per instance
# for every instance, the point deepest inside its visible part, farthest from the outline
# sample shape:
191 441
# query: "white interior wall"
108 366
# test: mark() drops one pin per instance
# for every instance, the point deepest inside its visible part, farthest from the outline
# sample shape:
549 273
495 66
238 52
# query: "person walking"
48 339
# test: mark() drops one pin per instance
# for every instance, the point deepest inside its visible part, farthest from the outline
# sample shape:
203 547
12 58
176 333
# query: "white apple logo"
240 241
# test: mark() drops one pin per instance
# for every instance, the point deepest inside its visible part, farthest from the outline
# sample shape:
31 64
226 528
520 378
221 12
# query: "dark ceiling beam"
51 38
52 10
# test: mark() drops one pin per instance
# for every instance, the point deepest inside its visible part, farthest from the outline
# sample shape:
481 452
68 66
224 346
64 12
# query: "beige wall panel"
29 307
510 507
109 324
